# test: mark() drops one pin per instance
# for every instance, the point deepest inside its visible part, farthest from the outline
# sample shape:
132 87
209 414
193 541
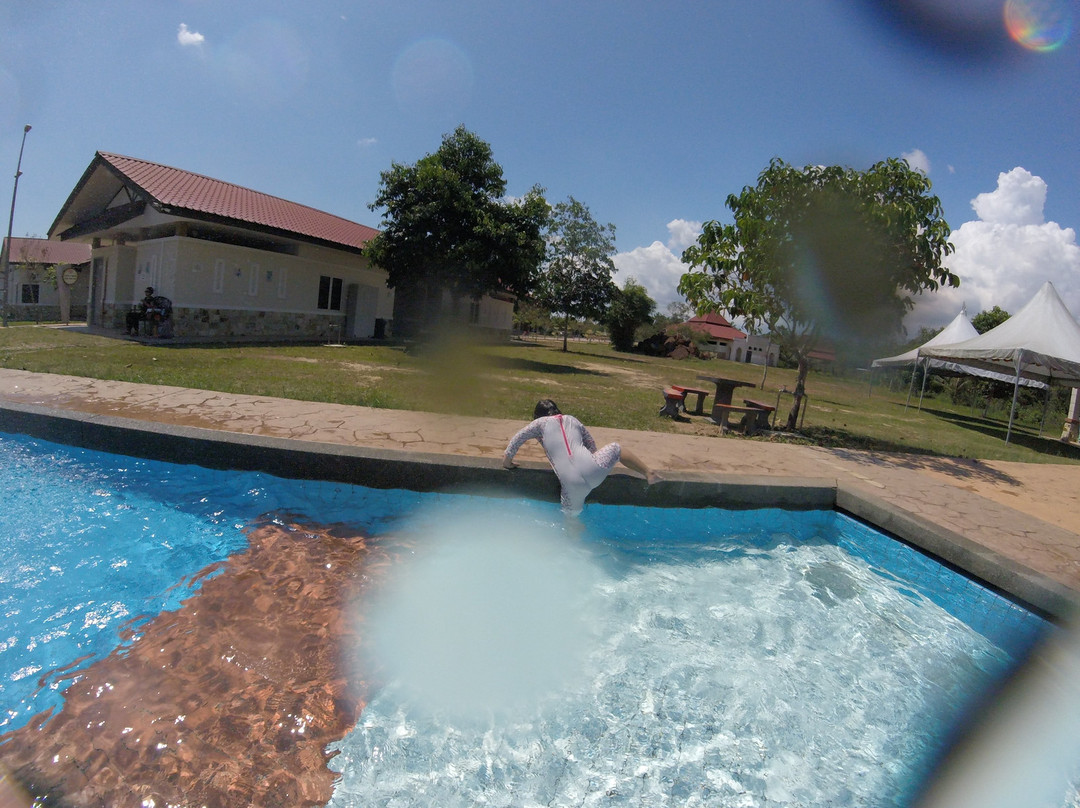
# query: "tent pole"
1016 394
911 384
922 392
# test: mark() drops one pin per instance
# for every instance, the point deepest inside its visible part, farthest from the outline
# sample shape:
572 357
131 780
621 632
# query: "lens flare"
1038 25
489 614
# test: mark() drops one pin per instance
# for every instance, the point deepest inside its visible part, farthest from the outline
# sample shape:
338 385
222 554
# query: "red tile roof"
46 251
175 191
716 326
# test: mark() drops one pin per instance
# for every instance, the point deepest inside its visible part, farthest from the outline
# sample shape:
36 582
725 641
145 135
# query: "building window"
330 293
30 292
253 280
283 282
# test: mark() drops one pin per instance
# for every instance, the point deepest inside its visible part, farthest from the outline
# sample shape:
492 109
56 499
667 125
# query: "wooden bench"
699 407
673 401
749 424
766 411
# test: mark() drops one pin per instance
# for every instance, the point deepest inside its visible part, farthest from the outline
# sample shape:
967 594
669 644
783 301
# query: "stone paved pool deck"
1016 525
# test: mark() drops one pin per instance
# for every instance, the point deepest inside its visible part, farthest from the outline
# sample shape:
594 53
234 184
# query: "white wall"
199 274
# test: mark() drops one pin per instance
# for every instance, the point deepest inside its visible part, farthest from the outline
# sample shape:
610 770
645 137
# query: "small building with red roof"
47 280
234 263
721 336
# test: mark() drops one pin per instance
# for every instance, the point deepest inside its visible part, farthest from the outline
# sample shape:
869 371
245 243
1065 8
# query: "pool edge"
425 471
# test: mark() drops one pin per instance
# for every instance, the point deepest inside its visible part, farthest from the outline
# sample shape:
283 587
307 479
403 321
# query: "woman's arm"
525 433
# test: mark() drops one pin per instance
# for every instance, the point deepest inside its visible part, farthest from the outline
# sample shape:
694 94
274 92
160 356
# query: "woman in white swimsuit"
572 452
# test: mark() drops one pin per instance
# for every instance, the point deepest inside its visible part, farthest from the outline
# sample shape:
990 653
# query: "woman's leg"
635 463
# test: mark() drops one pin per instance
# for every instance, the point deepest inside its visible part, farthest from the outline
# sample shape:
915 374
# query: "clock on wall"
70 276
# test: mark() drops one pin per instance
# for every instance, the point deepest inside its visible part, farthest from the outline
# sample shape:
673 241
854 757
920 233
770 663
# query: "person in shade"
572 452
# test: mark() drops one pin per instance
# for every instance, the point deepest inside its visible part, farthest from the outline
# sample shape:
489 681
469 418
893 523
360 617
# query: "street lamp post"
11 222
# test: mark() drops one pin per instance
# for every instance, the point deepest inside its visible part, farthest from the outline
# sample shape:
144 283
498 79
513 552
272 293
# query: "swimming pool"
721 657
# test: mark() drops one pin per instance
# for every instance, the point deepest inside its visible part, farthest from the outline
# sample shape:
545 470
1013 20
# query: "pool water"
717 657
758 658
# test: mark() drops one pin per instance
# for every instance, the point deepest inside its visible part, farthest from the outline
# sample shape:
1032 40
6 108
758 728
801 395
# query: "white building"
46 280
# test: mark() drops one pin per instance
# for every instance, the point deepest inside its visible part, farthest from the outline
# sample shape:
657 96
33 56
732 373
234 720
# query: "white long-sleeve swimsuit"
573 455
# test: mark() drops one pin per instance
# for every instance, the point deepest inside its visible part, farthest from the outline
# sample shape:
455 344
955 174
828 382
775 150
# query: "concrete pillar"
1069 432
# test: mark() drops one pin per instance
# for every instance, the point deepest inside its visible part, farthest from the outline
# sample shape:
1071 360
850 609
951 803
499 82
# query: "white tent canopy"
1041 342
959 330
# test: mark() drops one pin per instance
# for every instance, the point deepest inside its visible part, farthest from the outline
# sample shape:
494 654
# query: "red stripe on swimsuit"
565 439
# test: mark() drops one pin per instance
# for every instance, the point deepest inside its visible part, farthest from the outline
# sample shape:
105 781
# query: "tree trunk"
565 331
800 389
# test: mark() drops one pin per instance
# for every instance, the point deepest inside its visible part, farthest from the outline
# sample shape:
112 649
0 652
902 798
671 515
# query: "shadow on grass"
1022 434
829 438
868 452
536 366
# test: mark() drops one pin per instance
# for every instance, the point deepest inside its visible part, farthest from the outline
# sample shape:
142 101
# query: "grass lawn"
600 386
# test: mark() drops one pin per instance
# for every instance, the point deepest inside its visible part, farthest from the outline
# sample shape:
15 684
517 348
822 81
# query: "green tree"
575 280
630 308
448 227
528 316
990 318
679 311
822 254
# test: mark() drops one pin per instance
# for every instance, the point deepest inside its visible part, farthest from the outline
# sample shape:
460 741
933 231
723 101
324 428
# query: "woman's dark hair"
545 406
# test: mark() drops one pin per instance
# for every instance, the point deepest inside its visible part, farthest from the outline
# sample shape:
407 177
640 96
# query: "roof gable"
181 193
716 326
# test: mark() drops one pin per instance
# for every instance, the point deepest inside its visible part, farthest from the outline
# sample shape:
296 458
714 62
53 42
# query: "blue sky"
649 113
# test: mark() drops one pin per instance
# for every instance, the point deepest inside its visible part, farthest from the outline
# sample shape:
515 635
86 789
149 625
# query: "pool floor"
230 700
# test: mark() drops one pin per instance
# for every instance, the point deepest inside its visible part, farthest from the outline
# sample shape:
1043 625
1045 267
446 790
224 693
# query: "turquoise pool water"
732 657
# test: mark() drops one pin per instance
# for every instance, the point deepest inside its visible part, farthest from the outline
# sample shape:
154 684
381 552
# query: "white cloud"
659 267
917 159
1019 200
365 142
1005 256
189 38
682 234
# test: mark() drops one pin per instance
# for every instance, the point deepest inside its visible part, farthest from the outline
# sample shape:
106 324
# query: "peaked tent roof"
959 330
1041 342
177 192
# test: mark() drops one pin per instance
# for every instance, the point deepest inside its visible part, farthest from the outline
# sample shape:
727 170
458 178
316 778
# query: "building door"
361 306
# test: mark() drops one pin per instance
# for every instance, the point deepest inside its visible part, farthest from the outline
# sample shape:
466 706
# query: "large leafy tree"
447 226
989 318
631 307
575 280
822 254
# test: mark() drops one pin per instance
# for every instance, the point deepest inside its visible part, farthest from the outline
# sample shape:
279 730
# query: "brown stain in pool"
230 700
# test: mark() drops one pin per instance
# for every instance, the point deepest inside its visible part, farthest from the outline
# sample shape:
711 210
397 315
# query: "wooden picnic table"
722 401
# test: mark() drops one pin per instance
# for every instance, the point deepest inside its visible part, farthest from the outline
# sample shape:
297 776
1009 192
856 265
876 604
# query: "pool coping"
426 471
